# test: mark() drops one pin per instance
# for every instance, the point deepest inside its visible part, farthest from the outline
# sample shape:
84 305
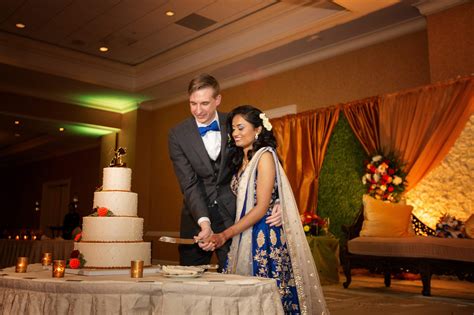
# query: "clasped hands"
210 241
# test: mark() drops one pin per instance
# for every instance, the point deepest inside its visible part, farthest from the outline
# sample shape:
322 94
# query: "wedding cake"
113 235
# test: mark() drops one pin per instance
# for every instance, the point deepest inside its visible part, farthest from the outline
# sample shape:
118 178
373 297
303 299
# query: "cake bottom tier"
114 255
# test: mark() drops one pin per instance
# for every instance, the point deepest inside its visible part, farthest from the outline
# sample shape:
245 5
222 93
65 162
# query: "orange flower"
102 211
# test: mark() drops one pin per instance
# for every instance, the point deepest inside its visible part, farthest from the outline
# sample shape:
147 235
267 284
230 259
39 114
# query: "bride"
258 249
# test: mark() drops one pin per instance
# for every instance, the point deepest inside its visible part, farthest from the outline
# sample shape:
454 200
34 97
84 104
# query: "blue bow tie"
212 127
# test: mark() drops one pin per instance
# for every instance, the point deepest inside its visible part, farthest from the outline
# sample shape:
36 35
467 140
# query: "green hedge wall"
340 185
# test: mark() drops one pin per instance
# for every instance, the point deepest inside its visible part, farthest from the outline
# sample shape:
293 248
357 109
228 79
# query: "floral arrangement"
265 122
450 227
78 237
312 223
384 178
102 212
76 260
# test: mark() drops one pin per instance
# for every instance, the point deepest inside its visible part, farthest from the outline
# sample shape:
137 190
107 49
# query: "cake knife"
177 240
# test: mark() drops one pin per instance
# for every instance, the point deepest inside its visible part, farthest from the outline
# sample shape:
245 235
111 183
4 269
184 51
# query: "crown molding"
428 7
33 55
350 44
339 48
255 39
281 111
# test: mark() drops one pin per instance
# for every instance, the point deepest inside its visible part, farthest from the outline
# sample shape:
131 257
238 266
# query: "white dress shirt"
212 140
212 143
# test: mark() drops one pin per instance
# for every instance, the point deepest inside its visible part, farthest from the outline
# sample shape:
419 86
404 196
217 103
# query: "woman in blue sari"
258 249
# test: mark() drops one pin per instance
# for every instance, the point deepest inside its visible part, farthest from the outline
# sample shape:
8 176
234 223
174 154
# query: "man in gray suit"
198 149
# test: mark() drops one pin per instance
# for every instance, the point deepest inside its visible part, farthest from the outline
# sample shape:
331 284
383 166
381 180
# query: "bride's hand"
206 245
275 218
217 240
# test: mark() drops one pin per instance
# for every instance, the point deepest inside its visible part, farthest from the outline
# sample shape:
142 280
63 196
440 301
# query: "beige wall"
451 42
386 67
107 147
127 137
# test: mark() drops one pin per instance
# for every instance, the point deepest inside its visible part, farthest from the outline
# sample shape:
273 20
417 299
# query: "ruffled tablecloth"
36 292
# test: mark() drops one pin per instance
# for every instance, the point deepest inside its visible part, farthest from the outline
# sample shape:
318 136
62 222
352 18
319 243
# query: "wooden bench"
426 255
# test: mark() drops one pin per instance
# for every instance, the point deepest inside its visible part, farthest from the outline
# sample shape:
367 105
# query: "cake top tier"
117 178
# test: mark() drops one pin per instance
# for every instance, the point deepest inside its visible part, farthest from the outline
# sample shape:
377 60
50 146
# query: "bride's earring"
256 136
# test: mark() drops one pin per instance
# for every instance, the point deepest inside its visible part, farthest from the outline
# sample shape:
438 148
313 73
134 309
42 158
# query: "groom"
198 149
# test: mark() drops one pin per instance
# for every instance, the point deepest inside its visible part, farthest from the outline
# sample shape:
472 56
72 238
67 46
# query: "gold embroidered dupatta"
240 260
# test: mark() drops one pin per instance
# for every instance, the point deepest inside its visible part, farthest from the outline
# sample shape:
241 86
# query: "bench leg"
347 272
425 273
387 279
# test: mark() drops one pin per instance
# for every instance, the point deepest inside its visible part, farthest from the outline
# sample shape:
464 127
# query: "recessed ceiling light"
61 129
169 13
104 49
20 25
17 122
17 134
313 37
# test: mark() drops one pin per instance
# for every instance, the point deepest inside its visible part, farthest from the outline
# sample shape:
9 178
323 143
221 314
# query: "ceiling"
152 56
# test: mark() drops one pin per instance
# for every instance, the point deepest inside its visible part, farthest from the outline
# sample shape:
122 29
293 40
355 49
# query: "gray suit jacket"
200 185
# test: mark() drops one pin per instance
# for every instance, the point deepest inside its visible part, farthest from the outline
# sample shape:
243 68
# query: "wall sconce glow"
115 103
90 130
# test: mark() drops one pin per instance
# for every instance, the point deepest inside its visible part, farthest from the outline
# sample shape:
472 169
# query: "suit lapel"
197 144
223 127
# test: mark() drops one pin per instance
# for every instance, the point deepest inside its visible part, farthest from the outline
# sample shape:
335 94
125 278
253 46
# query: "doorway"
54 206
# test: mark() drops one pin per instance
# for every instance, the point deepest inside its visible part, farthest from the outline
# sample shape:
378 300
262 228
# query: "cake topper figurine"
117 159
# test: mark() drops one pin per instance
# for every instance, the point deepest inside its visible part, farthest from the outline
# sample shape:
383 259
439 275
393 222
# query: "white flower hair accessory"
265 122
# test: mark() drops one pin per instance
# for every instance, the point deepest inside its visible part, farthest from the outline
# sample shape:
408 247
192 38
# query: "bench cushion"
385 219
416 246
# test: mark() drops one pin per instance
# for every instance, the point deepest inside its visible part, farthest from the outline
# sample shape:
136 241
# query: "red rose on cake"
74 263
78 237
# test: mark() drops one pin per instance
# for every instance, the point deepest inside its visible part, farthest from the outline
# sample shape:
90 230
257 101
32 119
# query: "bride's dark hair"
265 138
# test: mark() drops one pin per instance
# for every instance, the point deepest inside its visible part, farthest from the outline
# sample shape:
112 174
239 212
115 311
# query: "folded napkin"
181 270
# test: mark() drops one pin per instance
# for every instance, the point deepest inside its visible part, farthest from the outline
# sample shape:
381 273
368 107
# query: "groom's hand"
205 233
275 218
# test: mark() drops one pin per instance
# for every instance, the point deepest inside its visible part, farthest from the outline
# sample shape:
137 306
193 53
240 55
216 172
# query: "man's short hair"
202 81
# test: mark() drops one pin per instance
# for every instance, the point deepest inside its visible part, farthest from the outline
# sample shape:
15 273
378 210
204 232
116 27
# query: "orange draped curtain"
302 143
422 125
363 117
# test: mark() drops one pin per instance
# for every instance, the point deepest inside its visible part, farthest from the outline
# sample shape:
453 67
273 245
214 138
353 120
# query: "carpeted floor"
368 295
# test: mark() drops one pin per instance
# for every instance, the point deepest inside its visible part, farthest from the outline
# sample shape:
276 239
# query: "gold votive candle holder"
17 237
59 267
136 269
46 259
21 264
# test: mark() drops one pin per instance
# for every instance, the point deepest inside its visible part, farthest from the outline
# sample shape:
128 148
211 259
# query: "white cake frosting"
121 203
113 229
117 178
113 242
114 255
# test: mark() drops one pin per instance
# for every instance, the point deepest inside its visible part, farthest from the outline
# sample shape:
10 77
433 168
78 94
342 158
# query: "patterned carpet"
368 295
